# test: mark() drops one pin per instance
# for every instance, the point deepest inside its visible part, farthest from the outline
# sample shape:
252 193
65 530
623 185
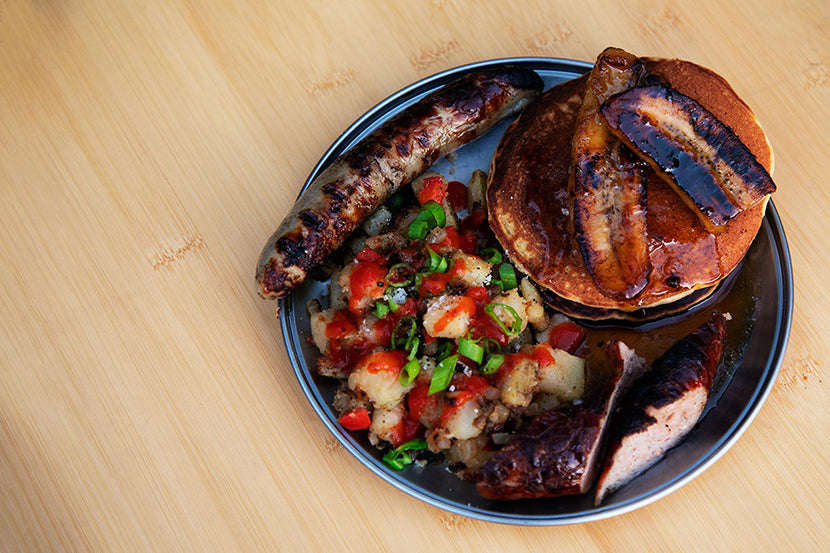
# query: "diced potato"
375 223
381 387
346 400
477 191
536 315
384 422
564 377
319 321
541 403
384 244
476 270
519 383
448 316
513 299
337 294
463 423
472 454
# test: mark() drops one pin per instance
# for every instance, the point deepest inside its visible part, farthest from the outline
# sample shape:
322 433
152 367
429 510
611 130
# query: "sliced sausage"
559 453
664 405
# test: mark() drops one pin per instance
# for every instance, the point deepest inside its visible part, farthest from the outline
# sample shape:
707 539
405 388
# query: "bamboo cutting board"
147 151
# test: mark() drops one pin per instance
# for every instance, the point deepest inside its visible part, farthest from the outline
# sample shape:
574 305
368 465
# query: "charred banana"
608 188
707 164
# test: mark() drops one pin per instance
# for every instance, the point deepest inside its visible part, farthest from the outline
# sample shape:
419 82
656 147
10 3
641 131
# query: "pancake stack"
531 203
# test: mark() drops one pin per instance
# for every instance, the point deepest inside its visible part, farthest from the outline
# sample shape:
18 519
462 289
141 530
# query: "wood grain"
147 151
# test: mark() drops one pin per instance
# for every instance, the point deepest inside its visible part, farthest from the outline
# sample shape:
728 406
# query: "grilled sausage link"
399 150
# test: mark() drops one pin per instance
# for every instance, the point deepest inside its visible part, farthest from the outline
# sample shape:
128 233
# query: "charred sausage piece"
559 453
664 405
399 150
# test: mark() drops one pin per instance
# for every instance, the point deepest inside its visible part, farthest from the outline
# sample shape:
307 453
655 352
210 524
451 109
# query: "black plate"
763 296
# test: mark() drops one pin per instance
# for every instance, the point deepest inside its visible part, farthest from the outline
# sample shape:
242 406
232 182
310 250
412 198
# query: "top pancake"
530 206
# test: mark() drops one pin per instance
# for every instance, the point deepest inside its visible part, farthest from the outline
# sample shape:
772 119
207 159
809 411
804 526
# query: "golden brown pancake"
530 206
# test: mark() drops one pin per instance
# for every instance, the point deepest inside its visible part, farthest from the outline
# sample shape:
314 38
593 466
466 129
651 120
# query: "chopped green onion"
397 340
397 461
413 348
442 375
516 323
493 363
417 230
398 457
507 274
409 372
490 345
392 278
436 263
470 349
494 255
381 309
433 214
413 444
444 350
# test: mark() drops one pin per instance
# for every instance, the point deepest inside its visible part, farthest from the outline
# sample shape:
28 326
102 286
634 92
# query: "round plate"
753 362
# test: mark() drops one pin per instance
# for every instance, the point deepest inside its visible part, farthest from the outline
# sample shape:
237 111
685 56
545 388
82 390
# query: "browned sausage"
399 150
559 452
664 405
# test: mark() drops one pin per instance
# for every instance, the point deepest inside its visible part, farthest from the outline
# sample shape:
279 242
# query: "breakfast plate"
758 295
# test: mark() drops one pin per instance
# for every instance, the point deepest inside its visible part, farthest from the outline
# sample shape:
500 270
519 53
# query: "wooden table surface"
147 151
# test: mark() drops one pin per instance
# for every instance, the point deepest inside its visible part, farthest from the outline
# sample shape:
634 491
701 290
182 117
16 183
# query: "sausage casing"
361 179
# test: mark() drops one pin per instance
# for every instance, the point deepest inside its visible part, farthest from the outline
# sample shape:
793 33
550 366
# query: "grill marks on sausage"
357 182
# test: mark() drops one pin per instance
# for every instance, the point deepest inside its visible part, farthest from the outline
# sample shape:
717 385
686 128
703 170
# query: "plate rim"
784 279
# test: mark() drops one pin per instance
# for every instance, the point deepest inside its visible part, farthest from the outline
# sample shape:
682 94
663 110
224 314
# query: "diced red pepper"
385 361
404 431
433 189
567 336
479 294
366 279
457 194
356 419
368 254
433 284
543 355
464 241
417 400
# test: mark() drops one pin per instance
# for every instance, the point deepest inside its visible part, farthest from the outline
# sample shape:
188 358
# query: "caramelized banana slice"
608 189
703 159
